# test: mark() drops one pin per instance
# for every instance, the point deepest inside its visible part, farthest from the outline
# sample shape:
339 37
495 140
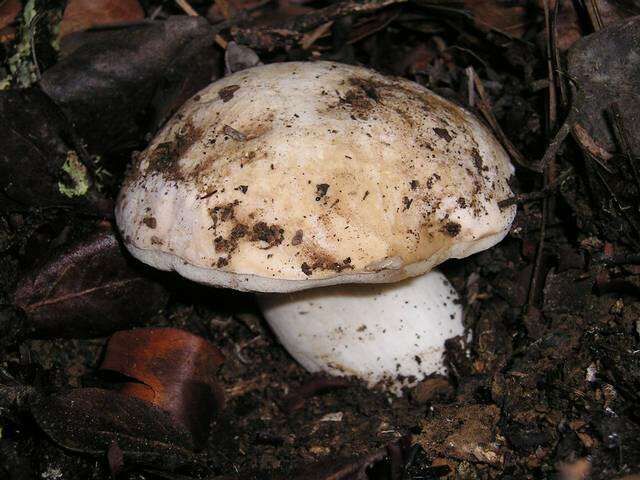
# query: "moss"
41 20
78 174
22 67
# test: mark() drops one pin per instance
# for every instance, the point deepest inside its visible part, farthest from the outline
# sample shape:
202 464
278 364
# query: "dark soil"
547 387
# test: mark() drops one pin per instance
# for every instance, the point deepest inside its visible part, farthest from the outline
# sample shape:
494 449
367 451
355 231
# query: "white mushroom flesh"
393 334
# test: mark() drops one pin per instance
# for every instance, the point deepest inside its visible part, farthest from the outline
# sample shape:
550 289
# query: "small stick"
310 38
623 139
471 92
553 110
592 147
556 143
527 197
564 97
594 15
484 105
187 8
221 41
535 275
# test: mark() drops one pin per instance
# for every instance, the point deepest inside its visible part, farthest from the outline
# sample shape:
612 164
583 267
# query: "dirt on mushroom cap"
370 168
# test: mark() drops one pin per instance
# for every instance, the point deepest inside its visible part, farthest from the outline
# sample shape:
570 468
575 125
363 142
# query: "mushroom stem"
392 333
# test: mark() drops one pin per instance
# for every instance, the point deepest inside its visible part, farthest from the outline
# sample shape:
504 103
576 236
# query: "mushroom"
296 176
390 333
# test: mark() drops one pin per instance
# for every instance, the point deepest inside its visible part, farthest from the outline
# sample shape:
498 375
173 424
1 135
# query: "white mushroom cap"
378 333
297 175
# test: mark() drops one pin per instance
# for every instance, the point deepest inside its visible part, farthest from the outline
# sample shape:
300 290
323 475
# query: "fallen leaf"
88 288
223 10
594 63
568 22
9 10
42 162
120 84
605 68
283 31
173 369
115 457
90 420
503 16
82 15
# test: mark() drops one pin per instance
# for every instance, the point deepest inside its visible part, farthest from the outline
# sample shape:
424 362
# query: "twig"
310 38
591 147
594 14
471 91
187 8
291 31
534 287
531 196
222 43
312 20
564 97
556 143
623 139
553 112
484 105
155 12
360 33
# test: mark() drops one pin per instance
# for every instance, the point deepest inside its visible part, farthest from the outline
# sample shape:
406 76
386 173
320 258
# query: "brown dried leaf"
9 10
568 22
87 289
175 370
594 63
502 16
82 15
605 67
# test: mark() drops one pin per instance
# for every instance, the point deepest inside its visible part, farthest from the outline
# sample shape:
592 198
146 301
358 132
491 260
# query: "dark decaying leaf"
42 163
284 34
117 84
89 288
115 457
606 68
172 369
90 420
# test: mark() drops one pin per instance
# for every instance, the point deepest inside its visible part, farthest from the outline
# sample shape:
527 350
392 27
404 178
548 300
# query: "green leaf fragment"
78 174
